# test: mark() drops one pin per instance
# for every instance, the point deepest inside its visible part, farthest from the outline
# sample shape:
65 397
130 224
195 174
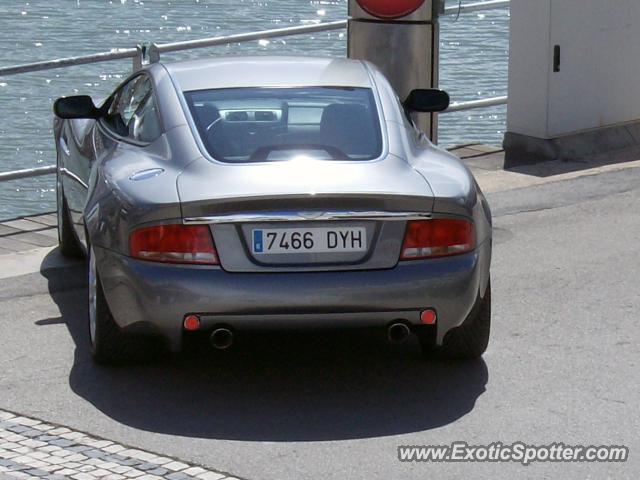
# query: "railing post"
153 53
138 59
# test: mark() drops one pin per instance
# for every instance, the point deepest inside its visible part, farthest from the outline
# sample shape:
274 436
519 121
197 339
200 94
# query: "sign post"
401 38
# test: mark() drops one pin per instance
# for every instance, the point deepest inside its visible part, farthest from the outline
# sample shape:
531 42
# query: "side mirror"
80 106
427 100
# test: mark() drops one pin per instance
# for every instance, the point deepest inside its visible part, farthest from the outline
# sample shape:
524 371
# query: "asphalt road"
562 365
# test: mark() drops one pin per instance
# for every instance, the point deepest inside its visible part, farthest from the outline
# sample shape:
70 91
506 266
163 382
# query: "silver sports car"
238 193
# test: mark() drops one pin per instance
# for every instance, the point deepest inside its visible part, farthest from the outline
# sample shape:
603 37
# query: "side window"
132 109
116 118
145 125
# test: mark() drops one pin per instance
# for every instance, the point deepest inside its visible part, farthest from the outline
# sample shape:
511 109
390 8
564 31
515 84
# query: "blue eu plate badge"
258 245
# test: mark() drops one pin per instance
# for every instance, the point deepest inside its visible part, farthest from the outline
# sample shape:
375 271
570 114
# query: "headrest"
349 127
336 115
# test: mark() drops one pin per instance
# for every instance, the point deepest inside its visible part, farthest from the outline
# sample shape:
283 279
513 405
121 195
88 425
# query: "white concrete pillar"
401 38
574 79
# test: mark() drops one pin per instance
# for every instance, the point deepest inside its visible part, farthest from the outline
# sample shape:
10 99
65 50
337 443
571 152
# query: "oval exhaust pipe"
221 338
398 332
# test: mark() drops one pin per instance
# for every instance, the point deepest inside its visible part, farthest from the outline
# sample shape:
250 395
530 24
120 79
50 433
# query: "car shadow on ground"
272 386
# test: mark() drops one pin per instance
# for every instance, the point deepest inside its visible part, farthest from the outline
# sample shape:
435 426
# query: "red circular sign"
390 8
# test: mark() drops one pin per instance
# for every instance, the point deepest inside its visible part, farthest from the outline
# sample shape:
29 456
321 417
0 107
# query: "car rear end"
342 269
298 215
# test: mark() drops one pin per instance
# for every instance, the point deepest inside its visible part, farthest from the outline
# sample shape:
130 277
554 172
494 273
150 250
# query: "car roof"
268 71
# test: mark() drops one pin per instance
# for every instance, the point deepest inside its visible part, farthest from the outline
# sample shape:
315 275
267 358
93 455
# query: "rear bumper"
154 298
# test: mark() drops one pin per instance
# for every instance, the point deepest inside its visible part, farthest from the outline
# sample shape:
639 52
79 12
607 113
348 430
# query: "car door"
130 121
80 145
75 156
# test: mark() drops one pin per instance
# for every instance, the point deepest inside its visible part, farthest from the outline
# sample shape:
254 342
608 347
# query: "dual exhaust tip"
398 332
222 337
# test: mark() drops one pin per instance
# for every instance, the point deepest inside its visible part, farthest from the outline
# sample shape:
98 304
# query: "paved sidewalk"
30 448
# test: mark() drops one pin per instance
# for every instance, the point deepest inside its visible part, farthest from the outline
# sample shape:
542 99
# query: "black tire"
67 240
109 344
466 342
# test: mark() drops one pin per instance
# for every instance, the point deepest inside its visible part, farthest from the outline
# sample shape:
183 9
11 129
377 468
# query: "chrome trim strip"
68 173
64 146
269 217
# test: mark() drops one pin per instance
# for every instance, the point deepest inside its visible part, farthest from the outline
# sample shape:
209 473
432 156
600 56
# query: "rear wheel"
468 341
109 345
69 244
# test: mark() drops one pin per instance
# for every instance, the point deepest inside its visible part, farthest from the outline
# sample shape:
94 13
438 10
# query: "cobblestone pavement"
30 448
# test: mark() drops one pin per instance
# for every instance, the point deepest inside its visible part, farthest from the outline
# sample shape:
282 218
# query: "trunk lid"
208 188
352 215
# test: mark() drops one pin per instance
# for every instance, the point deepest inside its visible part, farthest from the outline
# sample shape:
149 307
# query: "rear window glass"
276 124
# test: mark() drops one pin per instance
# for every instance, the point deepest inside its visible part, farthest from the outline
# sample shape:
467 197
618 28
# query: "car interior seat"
349 127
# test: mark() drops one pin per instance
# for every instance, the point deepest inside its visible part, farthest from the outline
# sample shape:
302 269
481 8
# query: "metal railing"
27 173
151 53
134 53
477 7
474 104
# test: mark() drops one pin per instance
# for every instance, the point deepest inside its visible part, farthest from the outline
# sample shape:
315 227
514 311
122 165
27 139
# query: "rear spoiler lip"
305 216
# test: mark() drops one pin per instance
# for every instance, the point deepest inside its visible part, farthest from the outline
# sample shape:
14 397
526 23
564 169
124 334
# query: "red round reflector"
390 9
428 317
191 323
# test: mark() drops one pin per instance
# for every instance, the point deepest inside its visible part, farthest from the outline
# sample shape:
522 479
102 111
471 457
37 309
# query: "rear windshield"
275 124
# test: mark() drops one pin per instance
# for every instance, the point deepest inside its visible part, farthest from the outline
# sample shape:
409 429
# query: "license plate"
309 240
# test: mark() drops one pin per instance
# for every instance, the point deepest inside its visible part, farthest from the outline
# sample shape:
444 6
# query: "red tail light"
437 238
174 244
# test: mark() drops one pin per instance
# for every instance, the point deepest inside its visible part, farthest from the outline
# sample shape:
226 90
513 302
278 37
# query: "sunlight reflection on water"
474 54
